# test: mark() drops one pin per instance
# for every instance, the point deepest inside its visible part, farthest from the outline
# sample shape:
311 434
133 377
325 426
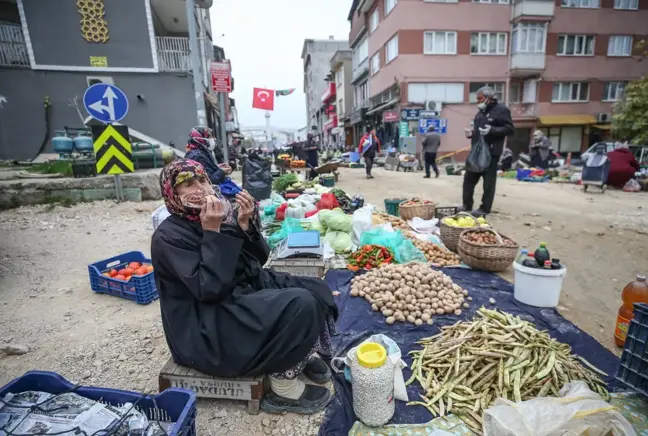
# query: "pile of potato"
410 293
396 222
433 253
486 238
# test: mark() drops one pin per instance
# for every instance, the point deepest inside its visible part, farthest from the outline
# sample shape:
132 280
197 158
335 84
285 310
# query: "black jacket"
498 116
216 175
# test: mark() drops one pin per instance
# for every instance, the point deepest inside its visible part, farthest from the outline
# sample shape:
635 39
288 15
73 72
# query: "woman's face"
192 193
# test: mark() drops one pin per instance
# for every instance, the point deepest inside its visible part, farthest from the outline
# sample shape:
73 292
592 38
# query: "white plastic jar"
372 375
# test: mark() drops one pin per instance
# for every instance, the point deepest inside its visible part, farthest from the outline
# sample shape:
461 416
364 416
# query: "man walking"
368 148
493 123
431 144
310 148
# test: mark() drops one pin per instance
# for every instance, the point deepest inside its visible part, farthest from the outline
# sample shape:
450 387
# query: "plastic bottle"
372 373
547 264
634 292
542 254
522 256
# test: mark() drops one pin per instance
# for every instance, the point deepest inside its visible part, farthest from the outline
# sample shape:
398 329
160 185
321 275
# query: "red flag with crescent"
263 99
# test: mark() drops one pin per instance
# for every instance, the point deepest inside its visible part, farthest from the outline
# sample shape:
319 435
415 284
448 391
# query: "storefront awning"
603 126
383 106
567 120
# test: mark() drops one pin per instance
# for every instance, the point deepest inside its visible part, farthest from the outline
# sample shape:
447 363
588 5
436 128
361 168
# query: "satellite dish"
204 4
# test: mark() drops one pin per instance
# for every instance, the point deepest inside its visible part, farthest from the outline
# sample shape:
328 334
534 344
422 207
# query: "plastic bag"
280 213
228 188
404 250
394 353
632 186
577 411
290 225
257 178
479 157
328 201
362 221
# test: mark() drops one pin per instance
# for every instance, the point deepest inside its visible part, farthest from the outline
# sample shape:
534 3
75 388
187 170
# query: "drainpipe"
195 63
510 49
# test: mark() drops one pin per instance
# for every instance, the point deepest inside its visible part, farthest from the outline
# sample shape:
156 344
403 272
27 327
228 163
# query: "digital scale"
301 244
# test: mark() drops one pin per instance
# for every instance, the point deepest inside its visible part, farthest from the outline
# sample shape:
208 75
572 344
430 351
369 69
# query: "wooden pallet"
249 389
297 266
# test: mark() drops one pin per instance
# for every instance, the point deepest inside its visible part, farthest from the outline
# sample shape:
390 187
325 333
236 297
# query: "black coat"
216 175
498 116
222 313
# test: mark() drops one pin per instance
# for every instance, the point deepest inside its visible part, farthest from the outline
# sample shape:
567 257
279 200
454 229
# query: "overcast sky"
263 39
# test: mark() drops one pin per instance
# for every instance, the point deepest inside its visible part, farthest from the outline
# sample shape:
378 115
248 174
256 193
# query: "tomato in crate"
136 284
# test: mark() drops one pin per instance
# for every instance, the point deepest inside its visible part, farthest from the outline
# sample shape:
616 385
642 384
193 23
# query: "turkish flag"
263 99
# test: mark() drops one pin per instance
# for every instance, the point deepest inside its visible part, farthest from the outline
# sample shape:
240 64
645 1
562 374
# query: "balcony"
13 50
173 54
523 110
533 8
360 71
525 64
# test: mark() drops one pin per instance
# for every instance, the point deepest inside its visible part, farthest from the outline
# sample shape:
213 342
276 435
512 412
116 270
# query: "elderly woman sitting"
223 314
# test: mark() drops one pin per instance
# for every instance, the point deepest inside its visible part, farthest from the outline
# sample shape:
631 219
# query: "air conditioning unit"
433 106
204 4
603 117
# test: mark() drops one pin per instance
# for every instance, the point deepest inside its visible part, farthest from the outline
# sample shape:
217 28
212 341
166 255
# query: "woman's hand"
212 214
246 209
225 167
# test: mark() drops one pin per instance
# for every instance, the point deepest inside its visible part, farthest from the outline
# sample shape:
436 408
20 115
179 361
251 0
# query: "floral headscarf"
199 138
180 171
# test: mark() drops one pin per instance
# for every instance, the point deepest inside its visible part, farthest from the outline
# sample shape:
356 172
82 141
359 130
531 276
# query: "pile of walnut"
410 293
433 253
487 238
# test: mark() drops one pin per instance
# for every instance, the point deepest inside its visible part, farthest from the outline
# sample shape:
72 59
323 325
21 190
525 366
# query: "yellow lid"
371 355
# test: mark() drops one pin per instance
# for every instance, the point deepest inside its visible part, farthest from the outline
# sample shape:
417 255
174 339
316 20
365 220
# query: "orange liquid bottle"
634 292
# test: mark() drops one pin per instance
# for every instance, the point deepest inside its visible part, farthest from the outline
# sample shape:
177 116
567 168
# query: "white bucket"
160 214
537 286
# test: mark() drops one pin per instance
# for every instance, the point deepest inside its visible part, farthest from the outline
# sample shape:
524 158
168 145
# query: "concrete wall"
55 32
167 113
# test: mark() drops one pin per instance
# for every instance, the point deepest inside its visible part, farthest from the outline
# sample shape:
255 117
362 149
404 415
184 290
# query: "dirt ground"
46 302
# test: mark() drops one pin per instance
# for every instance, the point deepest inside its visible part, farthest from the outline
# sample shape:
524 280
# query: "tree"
630 120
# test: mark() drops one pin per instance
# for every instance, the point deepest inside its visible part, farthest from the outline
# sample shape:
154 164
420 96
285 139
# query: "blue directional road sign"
106 103
440 125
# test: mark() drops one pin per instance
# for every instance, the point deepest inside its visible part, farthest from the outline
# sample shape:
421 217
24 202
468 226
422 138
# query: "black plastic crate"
442 212
84 168
633 369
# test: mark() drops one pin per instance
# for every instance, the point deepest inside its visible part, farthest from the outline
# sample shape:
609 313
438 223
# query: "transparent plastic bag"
577 411
632 186
404 250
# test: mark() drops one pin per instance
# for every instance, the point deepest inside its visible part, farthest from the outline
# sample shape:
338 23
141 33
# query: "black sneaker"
478 213
436 176
313 400
317 370
426 177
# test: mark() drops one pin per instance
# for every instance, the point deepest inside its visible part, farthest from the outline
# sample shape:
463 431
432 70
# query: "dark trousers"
430 161
490 179
369 161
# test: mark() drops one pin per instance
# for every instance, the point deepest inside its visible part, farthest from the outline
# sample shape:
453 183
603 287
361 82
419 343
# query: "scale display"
301 244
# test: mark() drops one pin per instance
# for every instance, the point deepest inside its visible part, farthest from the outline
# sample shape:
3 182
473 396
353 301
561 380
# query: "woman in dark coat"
223 314
201 148
623 166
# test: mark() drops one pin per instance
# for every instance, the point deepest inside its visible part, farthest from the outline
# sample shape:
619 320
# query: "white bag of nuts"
410 292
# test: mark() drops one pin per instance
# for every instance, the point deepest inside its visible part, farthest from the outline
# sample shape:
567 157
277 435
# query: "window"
340 106
440 43
445 92
363 51
580 3
570 92
620 45
375 63
626 4
515 93
575 45
488 43
502 2
391 49
474 86
373 21
389 5
528 38
614 91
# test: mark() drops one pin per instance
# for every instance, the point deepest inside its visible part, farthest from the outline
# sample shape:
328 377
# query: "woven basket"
450 235
492 258
423 211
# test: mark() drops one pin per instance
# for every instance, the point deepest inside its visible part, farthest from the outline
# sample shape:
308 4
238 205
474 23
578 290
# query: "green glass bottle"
542 254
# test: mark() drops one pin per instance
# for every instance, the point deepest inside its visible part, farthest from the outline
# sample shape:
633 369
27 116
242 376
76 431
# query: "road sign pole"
195 63
119 191
223 129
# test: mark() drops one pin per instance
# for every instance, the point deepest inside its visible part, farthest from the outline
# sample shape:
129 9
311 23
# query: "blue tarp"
357 322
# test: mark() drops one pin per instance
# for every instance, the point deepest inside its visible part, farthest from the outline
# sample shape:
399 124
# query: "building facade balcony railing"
361 70
173 53
522 110
13 49
527 64
533 8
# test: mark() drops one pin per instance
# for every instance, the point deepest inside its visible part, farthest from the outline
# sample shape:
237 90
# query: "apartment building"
559 64
359 44
316 56
55 49
340 75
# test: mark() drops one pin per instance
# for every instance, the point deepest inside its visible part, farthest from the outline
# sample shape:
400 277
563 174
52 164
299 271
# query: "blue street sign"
106 103
410 114
440 125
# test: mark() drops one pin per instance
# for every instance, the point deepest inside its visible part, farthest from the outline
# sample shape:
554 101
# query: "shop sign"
429 114
390 116
403 129
410 114
440 125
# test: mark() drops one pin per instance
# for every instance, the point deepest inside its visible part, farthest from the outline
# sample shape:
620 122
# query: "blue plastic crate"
633 368
140 289
178 404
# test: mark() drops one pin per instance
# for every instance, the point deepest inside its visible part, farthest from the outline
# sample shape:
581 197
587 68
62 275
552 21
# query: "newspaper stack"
40 413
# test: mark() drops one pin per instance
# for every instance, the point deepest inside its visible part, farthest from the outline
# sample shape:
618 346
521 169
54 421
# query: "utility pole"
223 132
196 63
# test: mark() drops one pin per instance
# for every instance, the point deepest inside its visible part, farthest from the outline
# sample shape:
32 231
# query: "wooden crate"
299 267
249 389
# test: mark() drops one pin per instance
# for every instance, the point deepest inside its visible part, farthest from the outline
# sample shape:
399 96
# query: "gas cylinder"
61 143
83 143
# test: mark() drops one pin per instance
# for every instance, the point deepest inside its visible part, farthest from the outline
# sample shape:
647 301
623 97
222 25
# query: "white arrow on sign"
110 96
